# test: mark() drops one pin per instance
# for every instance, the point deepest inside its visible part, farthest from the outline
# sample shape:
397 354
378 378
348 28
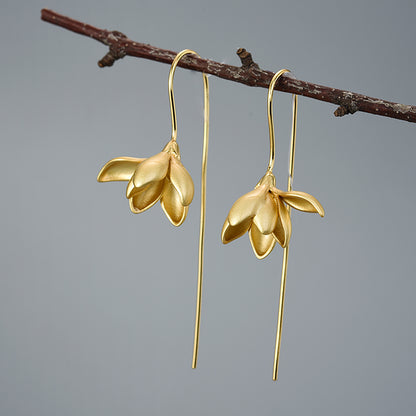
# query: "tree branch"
249 73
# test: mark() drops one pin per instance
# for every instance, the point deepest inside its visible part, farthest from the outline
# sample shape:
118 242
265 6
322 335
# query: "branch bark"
249 73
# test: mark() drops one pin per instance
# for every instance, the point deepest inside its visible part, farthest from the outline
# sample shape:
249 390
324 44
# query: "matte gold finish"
163 178
265 212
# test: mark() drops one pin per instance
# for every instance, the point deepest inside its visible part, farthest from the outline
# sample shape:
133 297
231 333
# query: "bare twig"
249 73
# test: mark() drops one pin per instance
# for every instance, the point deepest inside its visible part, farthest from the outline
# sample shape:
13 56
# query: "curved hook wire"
289 189
273 81
175 62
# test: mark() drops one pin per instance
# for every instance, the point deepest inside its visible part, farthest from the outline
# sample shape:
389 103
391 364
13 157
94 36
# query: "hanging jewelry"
163 178
265 212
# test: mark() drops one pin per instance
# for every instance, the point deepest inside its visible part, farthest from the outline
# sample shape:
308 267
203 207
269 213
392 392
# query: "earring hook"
286 249
175 62
273 81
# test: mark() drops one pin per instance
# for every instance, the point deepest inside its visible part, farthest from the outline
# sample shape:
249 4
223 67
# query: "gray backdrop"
97 304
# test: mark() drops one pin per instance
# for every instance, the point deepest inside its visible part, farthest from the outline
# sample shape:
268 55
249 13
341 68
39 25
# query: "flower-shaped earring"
163 178
265 212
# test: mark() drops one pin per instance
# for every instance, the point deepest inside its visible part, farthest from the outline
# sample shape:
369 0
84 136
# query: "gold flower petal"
153 169
130 188
266 216
181 180
283 228
302 201
172 205
246 206
118 169
146 197
230 232
262 244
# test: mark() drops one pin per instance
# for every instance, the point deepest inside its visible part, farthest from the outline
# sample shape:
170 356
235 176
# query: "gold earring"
163 178
265 212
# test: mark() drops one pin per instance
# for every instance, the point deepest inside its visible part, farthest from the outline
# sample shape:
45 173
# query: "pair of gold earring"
264 212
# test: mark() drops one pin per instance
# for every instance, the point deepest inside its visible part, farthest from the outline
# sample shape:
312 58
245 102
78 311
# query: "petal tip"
302 202
118 169
144 199
172 204
182 181
283 229
261 244
172 216
223 231
133 209
230 233
129 189
260 256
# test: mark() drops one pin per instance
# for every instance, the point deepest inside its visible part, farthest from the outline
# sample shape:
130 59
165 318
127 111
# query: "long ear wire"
175 62
286 249
273 81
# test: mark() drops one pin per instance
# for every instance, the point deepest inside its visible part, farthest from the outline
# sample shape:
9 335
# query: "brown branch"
249 73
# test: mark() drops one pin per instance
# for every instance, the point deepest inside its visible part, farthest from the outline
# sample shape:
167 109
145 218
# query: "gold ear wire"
203 188
163 178
273 81
286 249
265 212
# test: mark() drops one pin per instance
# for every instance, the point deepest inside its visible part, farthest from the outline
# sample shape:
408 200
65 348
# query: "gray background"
97 304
